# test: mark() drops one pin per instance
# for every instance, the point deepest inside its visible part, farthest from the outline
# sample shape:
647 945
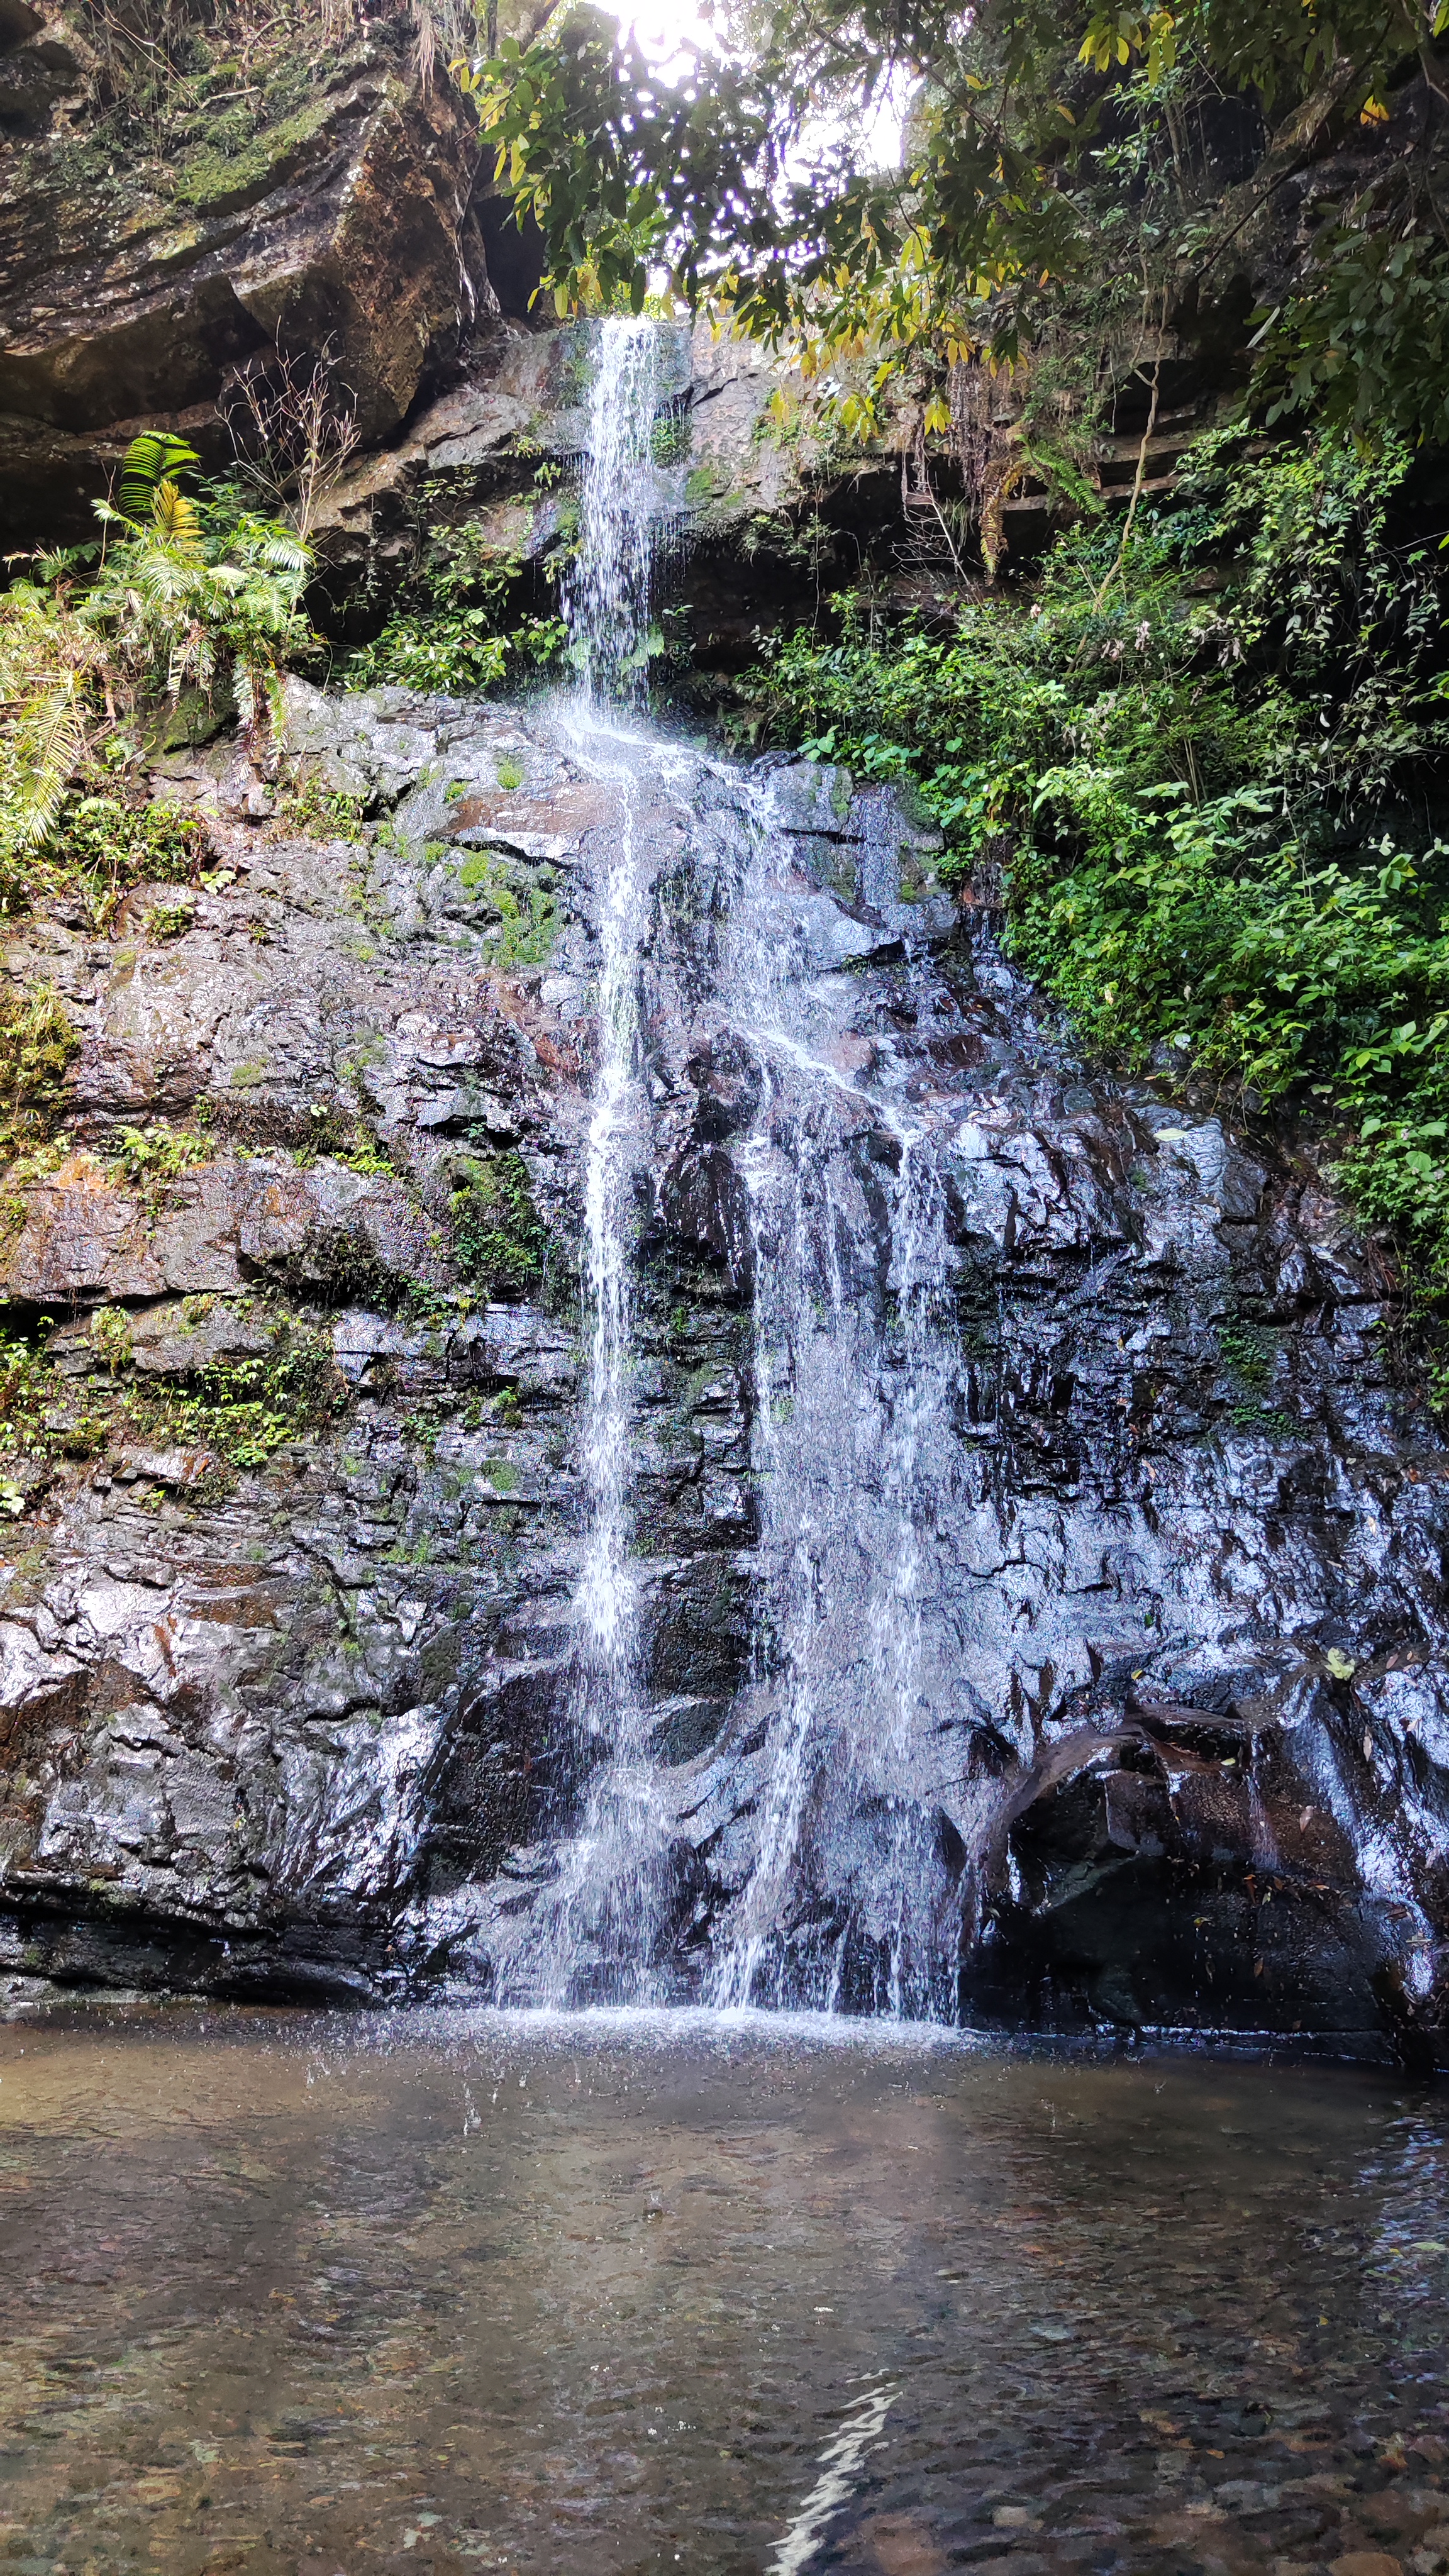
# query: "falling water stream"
851 1375
593 1934
848 1378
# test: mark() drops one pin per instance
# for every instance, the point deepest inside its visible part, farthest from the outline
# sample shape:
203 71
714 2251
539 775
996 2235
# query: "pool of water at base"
450 2291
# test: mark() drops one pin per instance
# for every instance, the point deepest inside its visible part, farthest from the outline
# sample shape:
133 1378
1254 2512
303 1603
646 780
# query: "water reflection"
464 2291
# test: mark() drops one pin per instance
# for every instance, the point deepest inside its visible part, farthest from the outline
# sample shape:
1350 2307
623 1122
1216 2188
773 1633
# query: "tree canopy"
1053 147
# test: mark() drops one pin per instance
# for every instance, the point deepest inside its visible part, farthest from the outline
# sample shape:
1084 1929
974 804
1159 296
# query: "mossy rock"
216 181
520 903
499 1241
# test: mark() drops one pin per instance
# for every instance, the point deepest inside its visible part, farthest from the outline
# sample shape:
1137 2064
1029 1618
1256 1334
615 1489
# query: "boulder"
127 294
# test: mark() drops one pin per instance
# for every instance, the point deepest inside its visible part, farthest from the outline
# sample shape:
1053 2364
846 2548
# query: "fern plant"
179 593
151 460
51 668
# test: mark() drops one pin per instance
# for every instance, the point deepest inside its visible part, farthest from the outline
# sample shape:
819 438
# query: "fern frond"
62 561
155 457
45 745
178 521
275 697
283 553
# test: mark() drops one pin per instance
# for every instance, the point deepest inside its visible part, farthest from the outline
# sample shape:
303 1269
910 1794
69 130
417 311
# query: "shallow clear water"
461 2291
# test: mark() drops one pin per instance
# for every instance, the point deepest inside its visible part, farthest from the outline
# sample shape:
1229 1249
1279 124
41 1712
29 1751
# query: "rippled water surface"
458 2291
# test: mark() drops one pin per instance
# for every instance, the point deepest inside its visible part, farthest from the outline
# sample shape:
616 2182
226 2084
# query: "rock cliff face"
286 1630
317 197
288 1594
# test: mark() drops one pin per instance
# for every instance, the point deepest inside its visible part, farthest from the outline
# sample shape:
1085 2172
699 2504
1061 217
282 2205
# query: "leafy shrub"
180 593
447 654
456 636
25 1384
243 1409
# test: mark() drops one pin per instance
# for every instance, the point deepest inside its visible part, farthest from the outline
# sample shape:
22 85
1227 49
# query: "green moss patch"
499 1241
519 902
240 164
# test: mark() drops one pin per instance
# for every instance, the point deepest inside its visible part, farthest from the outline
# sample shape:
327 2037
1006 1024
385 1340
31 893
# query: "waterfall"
852 1379
606 597
591 1937
840 1906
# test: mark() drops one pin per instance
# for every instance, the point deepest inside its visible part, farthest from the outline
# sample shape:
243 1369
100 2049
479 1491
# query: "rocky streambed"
296 1364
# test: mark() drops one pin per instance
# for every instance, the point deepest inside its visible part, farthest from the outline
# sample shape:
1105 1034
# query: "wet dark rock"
1173 1747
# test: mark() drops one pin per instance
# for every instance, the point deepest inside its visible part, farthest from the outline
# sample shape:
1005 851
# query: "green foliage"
170 920
37 1041
1053 146
499 1242
244 1409
319 813
24 1382
248 1408
1204 799
524 911
112 1336
453 634
103 845
448 654
39 1415
342 1138
194 593
158 1152
51 665
97 643
151 460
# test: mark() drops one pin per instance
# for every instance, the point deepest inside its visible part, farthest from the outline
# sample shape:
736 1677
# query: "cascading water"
852 1380
842 1406
607 594
591 1936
